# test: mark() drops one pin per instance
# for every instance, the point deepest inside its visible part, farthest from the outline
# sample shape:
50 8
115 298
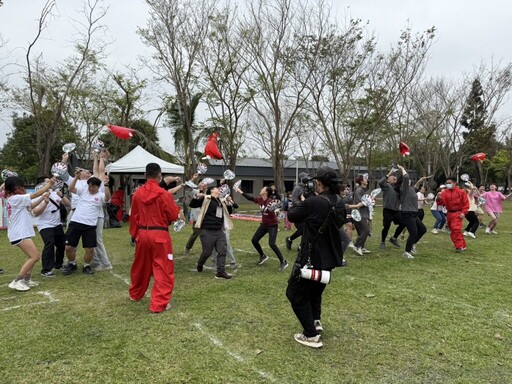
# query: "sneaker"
488 230
57 266
460 250
435 231
394 242
31 283
19 285
494 232
100 268
1 271
232 265
344 263
262 259
48 274
382 246
407 255
288 244
351 245
413 249
359 251
223 276
132 242
465 233
471 234
482 225
87 270
199 268
69 269
318 326
365 251
313 342
283 266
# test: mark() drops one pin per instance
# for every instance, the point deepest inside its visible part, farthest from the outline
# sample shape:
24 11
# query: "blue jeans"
440 219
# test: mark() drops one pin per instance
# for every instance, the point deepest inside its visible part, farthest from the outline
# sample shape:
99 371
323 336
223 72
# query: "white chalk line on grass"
214 340
46 294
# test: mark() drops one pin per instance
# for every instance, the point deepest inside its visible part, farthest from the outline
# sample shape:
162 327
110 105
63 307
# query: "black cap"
325 173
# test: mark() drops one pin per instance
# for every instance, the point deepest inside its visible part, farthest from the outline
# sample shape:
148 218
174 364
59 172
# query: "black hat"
325 173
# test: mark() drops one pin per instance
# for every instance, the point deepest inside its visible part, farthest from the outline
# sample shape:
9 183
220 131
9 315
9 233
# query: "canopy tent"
136 160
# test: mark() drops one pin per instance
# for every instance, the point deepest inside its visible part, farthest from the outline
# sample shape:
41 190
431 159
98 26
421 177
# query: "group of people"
320 211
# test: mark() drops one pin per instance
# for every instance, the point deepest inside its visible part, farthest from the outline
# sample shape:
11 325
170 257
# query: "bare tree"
177 31
51 90
225 93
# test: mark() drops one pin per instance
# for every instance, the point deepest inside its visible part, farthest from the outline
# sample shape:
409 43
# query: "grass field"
440 318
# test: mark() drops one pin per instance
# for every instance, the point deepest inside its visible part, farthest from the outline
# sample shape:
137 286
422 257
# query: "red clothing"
152 206
457 204
118 199
268 218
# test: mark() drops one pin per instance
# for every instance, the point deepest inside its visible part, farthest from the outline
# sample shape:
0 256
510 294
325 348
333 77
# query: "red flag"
211 149
121 132
404 149
478 156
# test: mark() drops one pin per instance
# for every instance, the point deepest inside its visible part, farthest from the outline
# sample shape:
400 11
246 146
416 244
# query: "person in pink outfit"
493 207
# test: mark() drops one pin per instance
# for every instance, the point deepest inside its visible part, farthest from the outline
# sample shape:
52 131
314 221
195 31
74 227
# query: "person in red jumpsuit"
457 204
153 209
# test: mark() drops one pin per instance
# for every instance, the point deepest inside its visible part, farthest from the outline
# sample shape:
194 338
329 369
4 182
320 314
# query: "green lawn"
440 318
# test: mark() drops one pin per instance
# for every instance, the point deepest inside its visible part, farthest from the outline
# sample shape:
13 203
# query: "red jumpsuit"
457 204
153 209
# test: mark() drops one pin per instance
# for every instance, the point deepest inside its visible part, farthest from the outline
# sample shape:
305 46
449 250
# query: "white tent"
136 160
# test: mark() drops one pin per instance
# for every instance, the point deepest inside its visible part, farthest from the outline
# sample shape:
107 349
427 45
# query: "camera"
309 186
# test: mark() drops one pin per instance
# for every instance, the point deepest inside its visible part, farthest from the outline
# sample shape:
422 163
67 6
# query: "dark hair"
13 184
94 181
41 179
269 190
359 178
153 170
450 178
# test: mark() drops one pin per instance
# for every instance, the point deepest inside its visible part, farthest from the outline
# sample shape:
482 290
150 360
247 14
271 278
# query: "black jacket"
326 252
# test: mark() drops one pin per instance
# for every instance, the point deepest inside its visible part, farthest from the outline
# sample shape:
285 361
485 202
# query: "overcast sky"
469 32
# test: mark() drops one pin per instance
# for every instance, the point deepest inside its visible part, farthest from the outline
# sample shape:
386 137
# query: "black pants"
305 296
363 230
473 222
272 237
210 239
54 245
388 216
298 232
414 226
193 237
421 213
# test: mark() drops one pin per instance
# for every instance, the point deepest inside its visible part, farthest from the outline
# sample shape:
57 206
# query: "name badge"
219 212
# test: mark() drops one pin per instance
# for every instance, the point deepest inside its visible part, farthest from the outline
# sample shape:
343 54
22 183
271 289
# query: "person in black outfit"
320 248
297 192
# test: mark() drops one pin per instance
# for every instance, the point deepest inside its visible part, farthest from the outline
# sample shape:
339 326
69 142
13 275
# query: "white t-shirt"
49 219
89 207
75 197
20 218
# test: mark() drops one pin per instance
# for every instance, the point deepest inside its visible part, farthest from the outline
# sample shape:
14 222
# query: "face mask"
449 186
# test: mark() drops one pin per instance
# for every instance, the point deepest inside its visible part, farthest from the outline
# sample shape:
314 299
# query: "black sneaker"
288 244
1 270
57 266
394 242
48 274
262 259
223 275
69 269
199 268
87 270
284 265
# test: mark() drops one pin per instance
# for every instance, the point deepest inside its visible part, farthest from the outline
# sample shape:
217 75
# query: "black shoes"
69 269
262 259
87 270
223 276
284 265
394 242
199 268
288 244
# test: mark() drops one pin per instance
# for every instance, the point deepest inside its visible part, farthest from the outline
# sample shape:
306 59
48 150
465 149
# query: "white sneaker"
359 251
19 285
488 230
465 233
471 234
31 283
318 326
351 246
407 255
313 342
413 250
494 232
435 231
364 250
